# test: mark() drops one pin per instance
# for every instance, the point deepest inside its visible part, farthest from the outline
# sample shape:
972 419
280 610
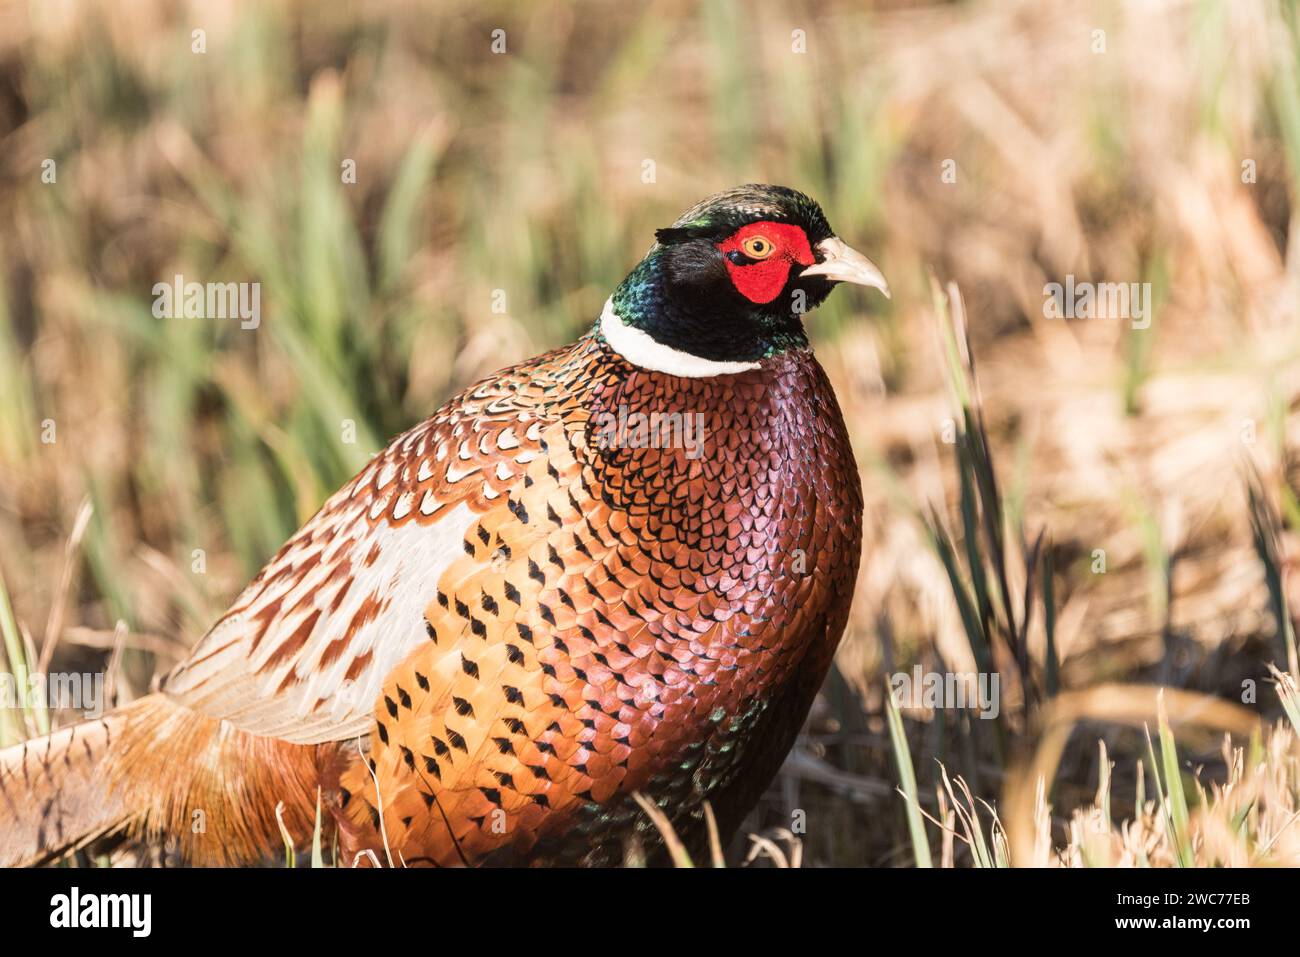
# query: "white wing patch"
304 652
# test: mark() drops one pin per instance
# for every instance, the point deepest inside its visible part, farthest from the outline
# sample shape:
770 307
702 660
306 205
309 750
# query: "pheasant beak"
842 263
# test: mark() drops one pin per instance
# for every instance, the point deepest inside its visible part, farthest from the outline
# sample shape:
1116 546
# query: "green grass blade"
18 665
1172 797
907 778
1288 693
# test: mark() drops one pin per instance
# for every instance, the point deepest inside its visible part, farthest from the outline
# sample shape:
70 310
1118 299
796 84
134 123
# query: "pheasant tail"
156 769
50 801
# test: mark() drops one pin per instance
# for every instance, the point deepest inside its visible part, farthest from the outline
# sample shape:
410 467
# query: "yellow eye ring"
758 247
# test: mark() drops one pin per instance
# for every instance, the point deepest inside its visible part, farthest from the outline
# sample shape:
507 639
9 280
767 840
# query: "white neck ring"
643 351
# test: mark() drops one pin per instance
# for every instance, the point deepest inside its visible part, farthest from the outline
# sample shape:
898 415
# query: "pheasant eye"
757 247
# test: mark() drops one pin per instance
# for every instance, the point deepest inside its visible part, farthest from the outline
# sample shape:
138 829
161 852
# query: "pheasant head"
729 282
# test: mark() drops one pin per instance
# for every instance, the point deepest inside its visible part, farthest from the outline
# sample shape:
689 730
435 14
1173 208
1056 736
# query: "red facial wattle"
763 280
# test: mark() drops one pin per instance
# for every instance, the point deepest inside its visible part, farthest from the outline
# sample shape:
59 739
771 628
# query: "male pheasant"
622 566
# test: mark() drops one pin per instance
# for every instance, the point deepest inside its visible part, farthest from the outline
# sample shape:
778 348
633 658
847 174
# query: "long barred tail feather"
52 799
158 771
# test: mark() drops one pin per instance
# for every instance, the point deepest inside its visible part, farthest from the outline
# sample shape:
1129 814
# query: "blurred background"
384 169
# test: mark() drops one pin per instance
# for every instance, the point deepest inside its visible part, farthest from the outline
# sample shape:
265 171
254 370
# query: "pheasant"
620 568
